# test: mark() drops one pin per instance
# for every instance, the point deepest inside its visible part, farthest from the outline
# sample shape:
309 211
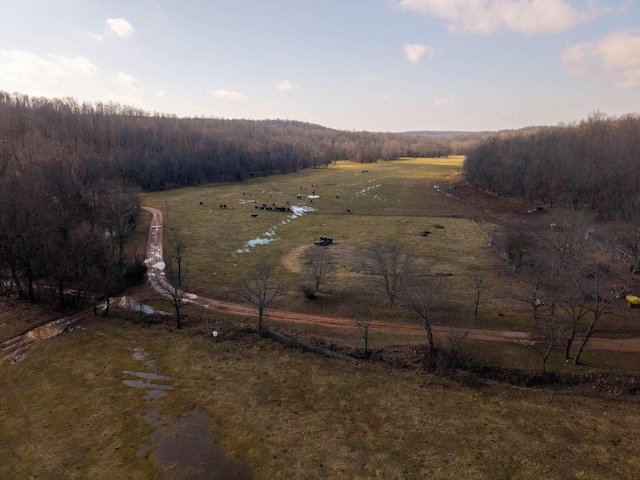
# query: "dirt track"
154 255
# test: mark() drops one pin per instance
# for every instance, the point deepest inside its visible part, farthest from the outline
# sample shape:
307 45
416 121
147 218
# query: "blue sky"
377 65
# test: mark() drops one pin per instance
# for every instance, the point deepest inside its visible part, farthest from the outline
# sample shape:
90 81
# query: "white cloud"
120 27
77 65
161 93
128 80
286 85
228 95
30 69
415 52
489 16
614 59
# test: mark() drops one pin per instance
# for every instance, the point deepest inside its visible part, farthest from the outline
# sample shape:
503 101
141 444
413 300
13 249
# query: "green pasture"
356 204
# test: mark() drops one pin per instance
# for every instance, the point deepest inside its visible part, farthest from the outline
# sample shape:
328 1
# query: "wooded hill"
70 173
594 164
157 151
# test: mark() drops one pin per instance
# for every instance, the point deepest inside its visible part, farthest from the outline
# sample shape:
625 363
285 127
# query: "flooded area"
153 390
188 449
127 304
182 449
270 235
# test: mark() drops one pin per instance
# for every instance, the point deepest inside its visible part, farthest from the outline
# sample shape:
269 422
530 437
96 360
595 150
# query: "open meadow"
131 396
355 204
125 399
229 231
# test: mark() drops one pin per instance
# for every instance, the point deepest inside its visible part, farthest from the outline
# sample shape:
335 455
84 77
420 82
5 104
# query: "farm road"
156 278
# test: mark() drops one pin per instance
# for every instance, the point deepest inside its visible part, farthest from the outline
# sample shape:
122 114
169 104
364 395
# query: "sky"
374 65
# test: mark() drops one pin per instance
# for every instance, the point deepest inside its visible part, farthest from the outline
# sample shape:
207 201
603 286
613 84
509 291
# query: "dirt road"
156 278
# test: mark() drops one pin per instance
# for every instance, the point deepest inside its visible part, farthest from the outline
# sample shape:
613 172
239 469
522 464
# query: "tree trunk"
567 349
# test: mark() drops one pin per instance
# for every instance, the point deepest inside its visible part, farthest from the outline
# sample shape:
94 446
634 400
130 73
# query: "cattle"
254 215
201 203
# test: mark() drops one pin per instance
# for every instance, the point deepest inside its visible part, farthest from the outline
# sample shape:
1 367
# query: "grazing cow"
348 210
256 207
201 203
254 215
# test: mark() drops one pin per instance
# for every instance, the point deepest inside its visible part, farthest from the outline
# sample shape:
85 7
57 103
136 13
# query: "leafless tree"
363 317
549 330
423 295
261 289
478 289
176 274
456 335
120 213
318 266
390 261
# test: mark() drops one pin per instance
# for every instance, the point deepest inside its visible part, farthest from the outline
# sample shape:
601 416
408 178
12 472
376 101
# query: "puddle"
188 449
270 235
154 390
368 189
127 304
138 354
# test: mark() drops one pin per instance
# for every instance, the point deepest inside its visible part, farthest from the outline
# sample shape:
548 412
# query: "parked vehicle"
324 240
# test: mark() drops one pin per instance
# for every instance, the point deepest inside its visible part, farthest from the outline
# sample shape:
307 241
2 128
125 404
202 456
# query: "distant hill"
481 134
438 133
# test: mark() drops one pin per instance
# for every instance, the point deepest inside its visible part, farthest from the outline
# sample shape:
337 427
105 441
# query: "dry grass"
390 200
66 413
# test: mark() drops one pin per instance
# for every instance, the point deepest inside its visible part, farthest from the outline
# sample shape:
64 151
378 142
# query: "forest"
591 165
70 174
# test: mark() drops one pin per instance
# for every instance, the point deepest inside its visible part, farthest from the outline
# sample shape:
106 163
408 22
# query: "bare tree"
390 261
456 335
364 315
478 288
423 295
549 330
176 274
261 289
599 307
318 266
120 213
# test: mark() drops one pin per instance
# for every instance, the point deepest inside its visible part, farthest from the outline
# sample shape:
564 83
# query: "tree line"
156 151
70 174
593 164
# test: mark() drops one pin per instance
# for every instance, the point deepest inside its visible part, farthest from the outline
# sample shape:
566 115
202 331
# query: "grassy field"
68 413
357 205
